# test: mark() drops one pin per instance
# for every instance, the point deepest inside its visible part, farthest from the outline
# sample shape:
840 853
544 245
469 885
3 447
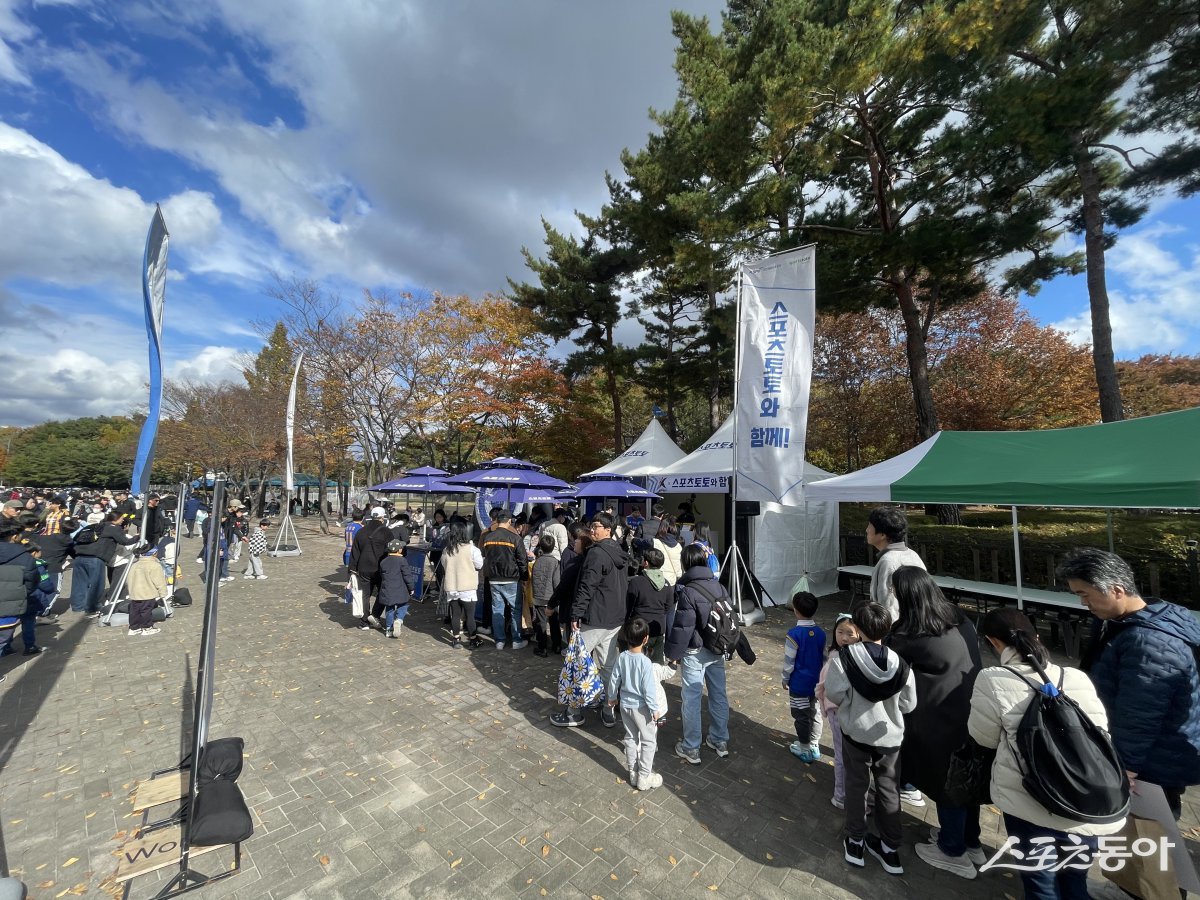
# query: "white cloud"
13 31
77 229
429 138
1154 294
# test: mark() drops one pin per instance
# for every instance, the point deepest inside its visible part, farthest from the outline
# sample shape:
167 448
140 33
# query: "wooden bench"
1068 610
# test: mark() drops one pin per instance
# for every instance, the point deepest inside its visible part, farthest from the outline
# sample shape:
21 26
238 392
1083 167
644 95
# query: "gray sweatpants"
861 763
641 739
602 644
253 565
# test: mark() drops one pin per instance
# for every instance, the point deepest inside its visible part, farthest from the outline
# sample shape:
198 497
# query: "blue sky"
402 144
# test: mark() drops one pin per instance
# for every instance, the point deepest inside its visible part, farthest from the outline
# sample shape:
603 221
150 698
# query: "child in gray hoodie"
873 689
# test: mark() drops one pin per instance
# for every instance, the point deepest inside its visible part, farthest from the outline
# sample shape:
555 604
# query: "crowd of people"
112 544
901 681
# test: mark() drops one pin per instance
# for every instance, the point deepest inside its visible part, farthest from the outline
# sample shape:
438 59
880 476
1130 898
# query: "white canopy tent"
787 541
648 455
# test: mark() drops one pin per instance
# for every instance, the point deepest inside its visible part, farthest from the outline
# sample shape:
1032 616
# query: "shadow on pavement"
21 701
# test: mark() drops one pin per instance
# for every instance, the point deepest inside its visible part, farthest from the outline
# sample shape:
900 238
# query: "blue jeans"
696 671
29 626
1069 884
504 611
959 828
87 584
394 614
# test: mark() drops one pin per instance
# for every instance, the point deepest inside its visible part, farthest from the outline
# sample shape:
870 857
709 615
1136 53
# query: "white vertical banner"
289 480
776 317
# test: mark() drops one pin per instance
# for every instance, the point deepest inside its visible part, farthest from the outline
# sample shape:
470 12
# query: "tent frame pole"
1017 559
733 556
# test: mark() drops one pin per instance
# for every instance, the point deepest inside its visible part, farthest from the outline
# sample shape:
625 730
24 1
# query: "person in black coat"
700 669
940 645
650 597
397 583
569 564
366 552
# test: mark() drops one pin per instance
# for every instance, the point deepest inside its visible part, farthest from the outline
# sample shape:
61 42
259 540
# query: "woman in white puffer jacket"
997 705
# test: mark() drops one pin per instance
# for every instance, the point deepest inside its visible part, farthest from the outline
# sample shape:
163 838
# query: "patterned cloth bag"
579 683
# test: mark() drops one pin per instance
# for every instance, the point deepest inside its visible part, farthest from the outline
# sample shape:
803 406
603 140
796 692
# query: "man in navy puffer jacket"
1144 666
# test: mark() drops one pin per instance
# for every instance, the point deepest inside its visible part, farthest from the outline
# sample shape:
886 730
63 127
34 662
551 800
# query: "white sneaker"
977 855
151 630
837 804
958 865
633 778
261 577
134 632
912 797
499 645
247 575
520 645
650 782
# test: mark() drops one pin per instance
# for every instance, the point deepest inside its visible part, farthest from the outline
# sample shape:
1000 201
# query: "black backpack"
1068 763
85 535
720 631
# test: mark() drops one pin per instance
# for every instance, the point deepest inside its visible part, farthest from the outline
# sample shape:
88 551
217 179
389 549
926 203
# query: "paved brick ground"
403 768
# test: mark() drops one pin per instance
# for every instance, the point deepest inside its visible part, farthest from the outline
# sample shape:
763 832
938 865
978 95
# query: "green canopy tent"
1149 462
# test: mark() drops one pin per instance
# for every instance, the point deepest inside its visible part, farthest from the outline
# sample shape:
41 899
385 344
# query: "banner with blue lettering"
154 294
776 316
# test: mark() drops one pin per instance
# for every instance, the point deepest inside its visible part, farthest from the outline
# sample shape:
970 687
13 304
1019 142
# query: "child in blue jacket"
803 656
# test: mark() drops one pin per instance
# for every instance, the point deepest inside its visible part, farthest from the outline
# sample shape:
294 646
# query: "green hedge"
1154 544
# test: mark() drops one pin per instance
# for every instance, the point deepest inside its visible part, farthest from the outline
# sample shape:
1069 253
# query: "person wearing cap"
12 509
366 552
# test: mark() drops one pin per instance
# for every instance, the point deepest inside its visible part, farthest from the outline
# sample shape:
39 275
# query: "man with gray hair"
1144 666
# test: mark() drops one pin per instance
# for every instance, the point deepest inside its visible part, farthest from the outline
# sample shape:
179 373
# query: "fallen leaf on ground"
324 860
71 861
545 850
456 862
672 860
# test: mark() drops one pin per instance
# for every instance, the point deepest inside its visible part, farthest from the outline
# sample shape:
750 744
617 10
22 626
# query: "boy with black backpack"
702 637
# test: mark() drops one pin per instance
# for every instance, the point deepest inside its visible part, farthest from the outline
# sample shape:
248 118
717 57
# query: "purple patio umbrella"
506 477
617 487
420 484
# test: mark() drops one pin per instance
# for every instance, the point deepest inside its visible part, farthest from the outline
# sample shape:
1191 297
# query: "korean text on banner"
775 340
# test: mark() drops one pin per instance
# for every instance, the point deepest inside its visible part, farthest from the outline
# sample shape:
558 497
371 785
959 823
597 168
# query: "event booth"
785 542
1136 463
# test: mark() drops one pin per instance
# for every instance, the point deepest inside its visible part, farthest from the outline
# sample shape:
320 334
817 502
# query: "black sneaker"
542 652
475 643
389 633
608 716
567 719
854 851
34 651
889 859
